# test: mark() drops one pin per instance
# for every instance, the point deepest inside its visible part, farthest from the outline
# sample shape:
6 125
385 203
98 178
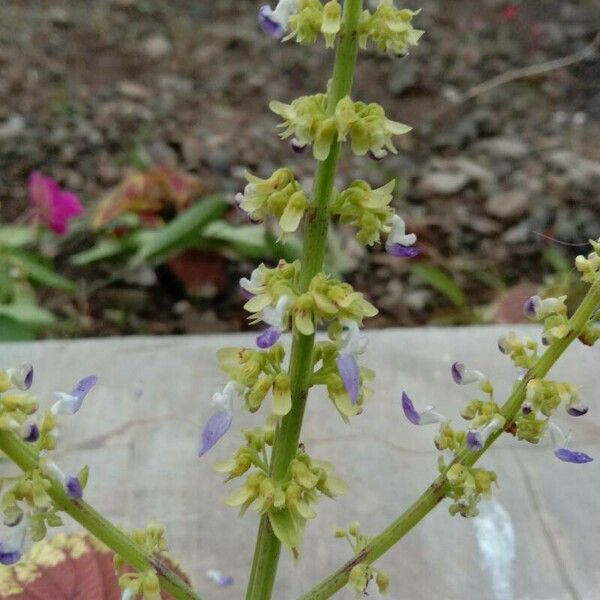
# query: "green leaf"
40 273
13 331
183 231
247 240
105 249
27 314
285 527
12 235
442 282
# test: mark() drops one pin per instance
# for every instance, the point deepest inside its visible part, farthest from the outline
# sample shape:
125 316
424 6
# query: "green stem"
118 541
268 547
433 495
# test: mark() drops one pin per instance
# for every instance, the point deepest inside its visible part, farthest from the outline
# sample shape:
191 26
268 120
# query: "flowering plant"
283 482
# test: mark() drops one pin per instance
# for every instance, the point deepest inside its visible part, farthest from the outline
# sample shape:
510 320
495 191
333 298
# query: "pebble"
508 205
157 46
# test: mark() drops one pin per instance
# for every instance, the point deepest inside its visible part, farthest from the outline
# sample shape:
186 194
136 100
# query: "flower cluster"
280 196
589 266
553 313
361 575
26 505
467 486
276 300
289 502
146 583
307 120
389 28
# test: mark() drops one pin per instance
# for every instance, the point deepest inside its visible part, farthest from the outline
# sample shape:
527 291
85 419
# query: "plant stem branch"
118 541
433 495
268 547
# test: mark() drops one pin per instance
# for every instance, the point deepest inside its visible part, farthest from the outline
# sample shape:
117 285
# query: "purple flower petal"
409 410
527 408
215 429
268 24
571 456
84 386
531 306
474 441
268 337
402 251
219 578
350 374
457 370
578 410
73 487
8 555
31 433
28 379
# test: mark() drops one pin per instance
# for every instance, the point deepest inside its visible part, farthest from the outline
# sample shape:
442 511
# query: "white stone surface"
538 540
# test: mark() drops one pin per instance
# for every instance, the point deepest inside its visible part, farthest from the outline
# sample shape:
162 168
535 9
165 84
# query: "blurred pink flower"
52 206
510 12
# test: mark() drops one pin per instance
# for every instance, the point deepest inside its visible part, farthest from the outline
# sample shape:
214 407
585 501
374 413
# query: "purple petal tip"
571 456
530 307
215 429
32 433
268 24
577 411
474 441
457 372
409 410
350 373
28 381
73 488
402 251
268 337
9 557
84 386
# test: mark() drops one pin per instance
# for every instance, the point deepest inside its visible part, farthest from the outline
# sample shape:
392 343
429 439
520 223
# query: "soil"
490 183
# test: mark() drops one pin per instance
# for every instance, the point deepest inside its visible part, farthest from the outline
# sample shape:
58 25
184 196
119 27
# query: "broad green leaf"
442 282
105 249
40 273
13 235
13 331
247 240
27 314
183 231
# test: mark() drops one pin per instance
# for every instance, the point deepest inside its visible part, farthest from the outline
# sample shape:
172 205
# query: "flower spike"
560 442
69 404
427 416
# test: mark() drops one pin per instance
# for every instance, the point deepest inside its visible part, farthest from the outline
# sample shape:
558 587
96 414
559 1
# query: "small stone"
133 90
504 148
157 46
508 205
12 127
443 183
582 172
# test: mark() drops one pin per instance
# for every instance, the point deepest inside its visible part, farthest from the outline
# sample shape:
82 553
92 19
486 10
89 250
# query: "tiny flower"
275 22
12 548
220 422
70 483
536 308
578 410
427 416
399 243
297 146
219 578
69 404
561 450
253 286
332 13
53 207
353 345
477 438
21 377
464 376
527 408
276 317
30 433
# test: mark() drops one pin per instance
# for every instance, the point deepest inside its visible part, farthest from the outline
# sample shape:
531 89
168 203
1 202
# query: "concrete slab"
538 539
